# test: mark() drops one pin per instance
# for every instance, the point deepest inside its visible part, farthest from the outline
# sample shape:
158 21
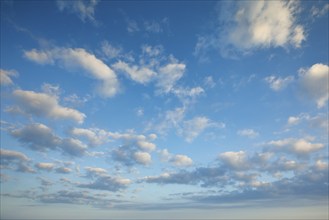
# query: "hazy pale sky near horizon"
164 109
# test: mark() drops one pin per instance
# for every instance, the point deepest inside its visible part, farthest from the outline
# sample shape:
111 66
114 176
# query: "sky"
164 109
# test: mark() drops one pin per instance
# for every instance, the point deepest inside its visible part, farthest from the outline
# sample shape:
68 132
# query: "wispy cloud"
85 10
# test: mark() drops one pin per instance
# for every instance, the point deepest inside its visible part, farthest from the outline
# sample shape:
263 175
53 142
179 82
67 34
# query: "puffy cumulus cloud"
94 136
41 138
85 10
80 59
314 82
6 75
44 105
95 171
45 166
247 25
235 160
15 160
181 160
300 147
143 157
278 83
38 136
250 133
73 147
177 160
7 155
107 183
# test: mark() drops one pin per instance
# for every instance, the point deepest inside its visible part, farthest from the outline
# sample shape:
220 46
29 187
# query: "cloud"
178 160
5 77
95 171
248 25
15 160
314 82
111 51
142 157
319 121
235 160
181 160
94 136
8 155
63 170
169 74
277 83
107 183
79 59
319 11
45 166
209 82
38 137
45 105
205 176
250 133
141 75
302 147
85 10
41 138
194 127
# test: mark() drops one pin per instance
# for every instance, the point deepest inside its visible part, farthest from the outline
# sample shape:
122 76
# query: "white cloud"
45 166
5 77
194 127
169 74
250 133
45 105
314 82
178 160
141 75
296 146
181 160
13 155
236 160
41 138
247 25
111 51
277 83
85 10
95 171
78 58
143 157
95 136
293 120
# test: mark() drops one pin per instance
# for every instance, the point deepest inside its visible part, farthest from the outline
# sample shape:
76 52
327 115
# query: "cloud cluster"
79 59
314 82
43 105
178 160
248 25
15 160
41 138
277 83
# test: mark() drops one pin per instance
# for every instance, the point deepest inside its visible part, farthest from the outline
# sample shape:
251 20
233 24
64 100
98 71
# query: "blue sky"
182 109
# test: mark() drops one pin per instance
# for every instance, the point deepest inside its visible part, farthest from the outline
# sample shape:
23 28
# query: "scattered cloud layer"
6 75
